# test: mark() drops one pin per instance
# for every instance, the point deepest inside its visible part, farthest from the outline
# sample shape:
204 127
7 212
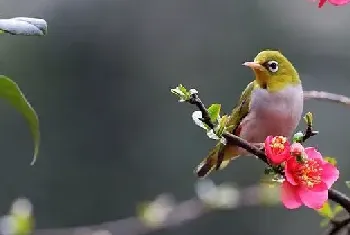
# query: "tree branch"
323 95
338 226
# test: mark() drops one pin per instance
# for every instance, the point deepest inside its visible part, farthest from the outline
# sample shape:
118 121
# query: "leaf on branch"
308 118
298 137
330 160
326 211
181 92
347 183
10 91
329 213
214 112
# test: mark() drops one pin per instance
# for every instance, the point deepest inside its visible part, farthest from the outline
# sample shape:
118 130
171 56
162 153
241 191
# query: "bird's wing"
237 115
216 157
241 110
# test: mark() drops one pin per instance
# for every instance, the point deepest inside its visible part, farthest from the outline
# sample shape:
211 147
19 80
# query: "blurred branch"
178 214
323 95
23 26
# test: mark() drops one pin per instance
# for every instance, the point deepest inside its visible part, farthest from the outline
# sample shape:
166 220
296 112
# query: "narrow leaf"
347 183
214 112
308 118
324 222
337 209
326 210
330 160
10 91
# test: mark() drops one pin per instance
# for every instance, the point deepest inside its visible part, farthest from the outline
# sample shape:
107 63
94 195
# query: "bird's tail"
218 158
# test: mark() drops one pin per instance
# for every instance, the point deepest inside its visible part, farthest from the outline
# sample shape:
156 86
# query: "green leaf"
337 209
10 91
308 118
214 112
181 92
324 222
297 137
330 160
326 210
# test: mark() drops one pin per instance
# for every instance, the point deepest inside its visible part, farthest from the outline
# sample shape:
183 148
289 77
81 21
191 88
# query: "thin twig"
323 95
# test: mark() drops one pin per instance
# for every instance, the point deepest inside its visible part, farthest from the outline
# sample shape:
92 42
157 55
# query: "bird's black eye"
272 66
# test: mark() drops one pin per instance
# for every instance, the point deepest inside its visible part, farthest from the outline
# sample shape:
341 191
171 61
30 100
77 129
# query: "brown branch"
338 226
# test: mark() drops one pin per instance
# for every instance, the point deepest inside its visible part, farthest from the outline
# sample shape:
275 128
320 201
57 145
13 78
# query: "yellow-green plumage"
276 90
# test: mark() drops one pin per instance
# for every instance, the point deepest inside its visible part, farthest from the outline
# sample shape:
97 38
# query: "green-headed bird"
272 104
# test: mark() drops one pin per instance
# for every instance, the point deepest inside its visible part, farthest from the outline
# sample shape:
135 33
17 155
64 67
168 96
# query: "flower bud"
296 149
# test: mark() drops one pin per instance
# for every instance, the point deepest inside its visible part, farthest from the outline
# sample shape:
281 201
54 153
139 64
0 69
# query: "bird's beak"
254 66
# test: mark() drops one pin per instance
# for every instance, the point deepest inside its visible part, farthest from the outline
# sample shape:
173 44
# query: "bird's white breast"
274 114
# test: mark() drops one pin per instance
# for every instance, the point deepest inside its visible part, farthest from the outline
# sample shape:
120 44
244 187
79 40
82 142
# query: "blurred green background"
112 133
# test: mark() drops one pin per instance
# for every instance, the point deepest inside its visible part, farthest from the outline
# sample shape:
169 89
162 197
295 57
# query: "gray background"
113 135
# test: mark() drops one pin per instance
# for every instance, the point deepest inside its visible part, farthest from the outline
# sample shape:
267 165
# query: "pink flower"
296 149
308 182
277 149
333 2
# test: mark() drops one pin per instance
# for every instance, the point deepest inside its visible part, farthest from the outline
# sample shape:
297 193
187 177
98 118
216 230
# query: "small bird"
272 104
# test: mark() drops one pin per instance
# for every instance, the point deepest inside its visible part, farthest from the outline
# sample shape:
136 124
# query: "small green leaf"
326 210
214 112
324 222
347 183
330 160
308 118
182 89
222 124
298 137
181 92
337 209
10 91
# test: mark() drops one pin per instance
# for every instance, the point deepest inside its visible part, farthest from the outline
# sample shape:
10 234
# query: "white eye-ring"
272 66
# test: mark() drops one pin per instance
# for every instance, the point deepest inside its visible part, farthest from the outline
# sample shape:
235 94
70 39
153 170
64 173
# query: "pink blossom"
333 2
308 182
296 149
277 149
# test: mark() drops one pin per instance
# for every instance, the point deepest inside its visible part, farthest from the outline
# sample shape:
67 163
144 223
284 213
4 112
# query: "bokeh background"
112 133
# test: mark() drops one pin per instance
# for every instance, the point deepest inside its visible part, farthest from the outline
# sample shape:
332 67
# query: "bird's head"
273 71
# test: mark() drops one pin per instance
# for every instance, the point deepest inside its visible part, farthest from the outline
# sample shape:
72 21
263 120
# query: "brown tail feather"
218 159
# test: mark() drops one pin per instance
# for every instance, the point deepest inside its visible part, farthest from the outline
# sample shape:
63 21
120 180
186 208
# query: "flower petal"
289 170
322 186
338 2
321 3
330 174
290 198
196 115
312 199
313 153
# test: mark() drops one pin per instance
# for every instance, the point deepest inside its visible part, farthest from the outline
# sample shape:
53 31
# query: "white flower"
223 140
193 91
212 135
196 115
